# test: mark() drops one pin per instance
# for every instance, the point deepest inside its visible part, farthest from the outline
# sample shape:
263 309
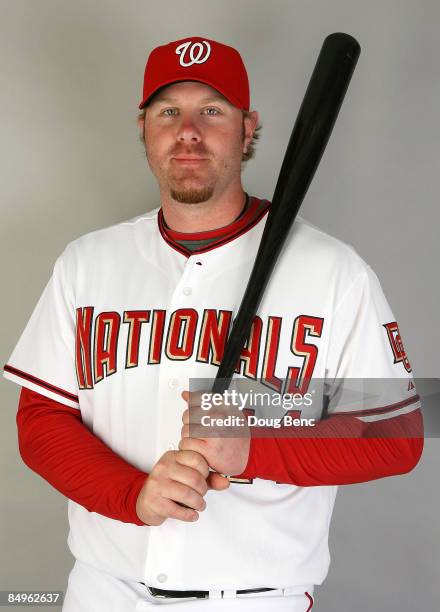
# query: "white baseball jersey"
127 319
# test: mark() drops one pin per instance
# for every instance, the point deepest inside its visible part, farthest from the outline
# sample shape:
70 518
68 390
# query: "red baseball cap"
198 59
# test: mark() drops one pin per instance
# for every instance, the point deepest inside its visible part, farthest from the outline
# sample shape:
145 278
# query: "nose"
188 130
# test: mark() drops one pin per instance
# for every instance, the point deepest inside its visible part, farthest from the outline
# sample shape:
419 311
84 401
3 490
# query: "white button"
187 291
173 382
162 577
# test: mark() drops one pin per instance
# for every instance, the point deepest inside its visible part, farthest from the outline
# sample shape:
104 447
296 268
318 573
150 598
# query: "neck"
218 211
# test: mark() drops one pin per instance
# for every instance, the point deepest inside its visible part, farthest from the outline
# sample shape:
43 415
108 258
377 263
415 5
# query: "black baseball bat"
313 126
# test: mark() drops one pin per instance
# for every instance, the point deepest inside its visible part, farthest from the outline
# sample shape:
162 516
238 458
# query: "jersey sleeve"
44 358
368 373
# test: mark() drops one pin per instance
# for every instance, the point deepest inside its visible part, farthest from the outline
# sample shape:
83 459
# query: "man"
134 312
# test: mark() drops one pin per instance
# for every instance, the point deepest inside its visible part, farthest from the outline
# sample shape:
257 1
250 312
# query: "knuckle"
202 467
184 443
197 460
164 462
186 455
187 495
157 475
196 481
201 462
182 456
169 456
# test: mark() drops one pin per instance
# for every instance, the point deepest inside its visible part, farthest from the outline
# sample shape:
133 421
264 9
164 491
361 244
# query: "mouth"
189 161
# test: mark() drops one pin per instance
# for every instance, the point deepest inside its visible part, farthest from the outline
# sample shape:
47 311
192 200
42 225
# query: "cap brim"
231 99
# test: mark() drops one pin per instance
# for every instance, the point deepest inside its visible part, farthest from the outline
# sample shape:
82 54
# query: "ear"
141 126
250 124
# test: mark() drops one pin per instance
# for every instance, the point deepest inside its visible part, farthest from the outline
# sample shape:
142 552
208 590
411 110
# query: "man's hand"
227 455
175 488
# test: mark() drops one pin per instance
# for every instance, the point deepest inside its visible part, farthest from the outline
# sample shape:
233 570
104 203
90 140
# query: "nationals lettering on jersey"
186 335
129 318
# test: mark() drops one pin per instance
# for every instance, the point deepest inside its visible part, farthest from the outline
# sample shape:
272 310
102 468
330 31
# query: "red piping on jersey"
382 409
225 234
310 598
41 383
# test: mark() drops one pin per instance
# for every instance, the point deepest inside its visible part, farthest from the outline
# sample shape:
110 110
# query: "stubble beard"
191 189
191 195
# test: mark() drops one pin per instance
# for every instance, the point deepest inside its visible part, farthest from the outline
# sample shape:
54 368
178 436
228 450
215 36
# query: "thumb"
217 481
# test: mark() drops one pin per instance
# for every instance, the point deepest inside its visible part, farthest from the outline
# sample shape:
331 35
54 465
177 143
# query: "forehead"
185 90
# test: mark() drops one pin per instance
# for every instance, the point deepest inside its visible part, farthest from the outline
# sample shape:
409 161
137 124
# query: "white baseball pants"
90 590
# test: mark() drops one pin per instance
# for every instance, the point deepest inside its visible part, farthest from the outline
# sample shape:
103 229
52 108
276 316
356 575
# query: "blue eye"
165 112
172 112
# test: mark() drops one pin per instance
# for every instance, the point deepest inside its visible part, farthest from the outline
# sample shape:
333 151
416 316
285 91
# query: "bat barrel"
313 126
317 114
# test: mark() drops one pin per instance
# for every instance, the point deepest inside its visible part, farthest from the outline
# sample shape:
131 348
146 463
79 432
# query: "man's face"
194 141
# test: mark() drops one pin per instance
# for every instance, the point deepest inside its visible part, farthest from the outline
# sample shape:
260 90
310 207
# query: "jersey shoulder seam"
329 237
361 275
149 216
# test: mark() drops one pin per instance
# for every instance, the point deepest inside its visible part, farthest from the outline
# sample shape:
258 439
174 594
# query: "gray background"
71 162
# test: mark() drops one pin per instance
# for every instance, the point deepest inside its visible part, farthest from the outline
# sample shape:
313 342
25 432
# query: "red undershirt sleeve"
54 442
379 449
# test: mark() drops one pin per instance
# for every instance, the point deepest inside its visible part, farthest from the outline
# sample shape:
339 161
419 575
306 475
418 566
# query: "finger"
184 432
171 509
193 444
194 398
217 481
193 460
185 417
190 477
182 494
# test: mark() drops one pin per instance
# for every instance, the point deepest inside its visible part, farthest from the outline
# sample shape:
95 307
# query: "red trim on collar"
223 234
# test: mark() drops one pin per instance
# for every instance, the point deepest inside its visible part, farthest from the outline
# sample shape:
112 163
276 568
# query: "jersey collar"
256 210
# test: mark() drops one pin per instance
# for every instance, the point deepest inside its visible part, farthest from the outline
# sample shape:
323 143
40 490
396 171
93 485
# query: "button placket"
188 281
165 555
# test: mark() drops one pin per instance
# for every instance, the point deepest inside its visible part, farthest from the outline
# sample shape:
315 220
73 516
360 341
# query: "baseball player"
135 311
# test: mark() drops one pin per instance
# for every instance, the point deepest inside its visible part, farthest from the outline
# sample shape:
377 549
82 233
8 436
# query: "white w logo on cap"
198 52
